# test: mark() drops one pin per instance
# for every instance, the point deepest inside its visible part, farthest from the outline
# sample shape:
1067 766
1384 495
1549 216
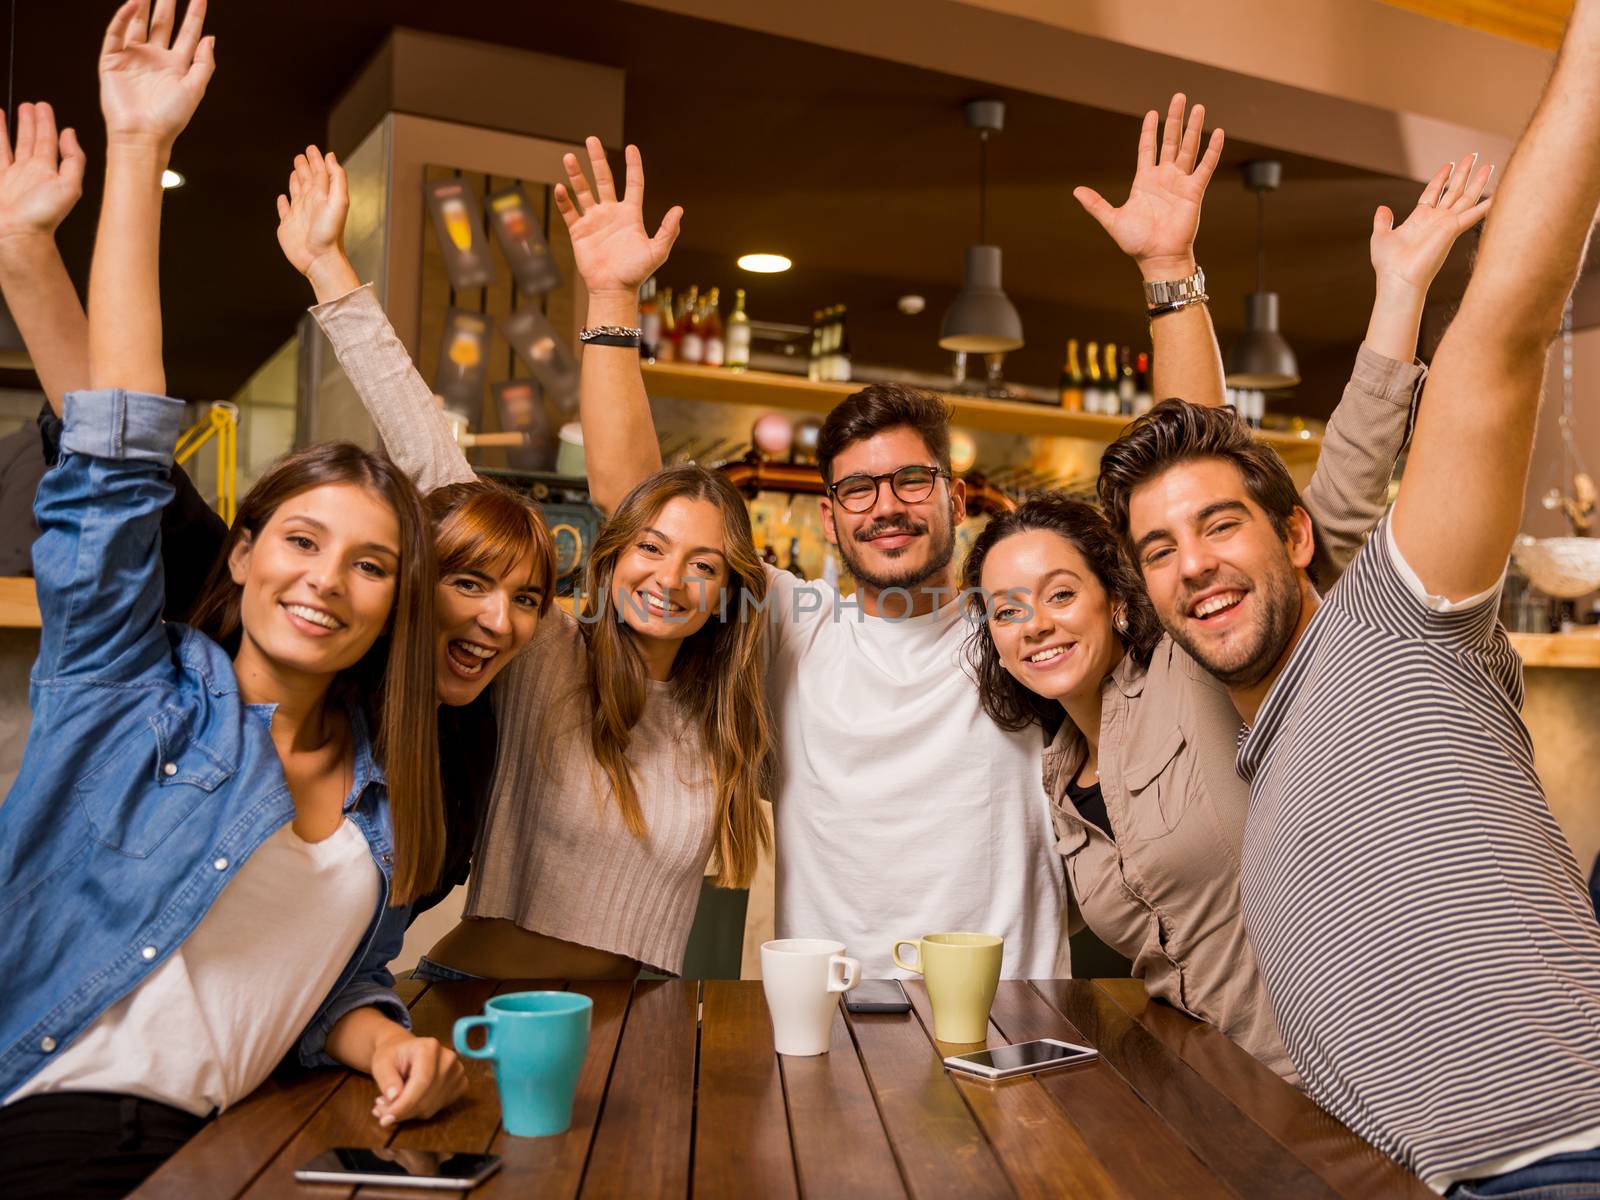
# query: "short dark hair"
881 406
1176 431
1009 704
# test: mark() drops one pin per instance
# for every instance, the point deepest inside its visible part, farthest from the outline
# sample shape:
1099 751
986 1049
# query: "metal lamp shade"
982 320
1261 358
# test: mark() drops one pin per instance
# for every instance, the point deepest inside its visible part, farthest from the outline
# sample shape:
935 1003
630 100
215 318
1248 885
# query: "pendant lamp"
982 320
1261 359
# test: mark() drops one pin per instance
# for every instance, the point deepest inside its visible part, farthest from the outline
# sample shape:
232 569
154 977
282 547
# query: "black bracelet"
1172 306
609 339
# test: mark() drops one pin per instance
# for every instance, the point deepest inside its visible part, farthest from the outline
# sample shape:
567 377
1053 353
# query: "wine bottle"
649 320
1108 380
1126 388
794 558
738 335
671 332
714 352
1072 379
692 349
1091 391
1143 400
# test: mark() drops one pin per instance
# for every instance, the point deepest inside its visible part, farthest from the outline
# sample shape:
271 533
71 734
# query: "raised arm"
1350 490
615 255
311 233
1461 498
1156 227
38 188
150 84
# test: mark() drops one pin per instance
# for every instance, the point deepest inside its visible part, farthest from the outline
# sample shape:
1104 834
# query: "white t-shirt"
901 808
208 1025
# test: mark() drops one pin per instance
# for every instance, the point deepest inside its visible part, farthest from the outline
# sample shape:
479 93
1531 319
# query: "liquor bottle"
795 568
814 366
711 330
671 332
1143 399
841 349
686 303
1072 379
1091 391
1109 404
649 319
693 347
769 555
738 335
1126 388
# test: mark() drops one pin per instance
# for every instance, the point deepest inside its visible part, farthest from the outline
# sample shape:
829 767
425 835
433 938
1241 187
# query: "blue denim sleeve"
370 987
97 562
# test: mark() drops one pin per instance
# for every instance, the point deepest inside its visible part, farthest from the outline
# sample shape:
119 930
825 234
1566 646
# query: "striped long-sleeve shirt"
1420 922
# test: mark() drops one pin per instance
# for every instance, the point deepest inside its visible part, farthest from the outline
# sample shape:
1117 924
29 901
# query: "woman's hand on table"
1157 224
311 222
610 246
416 1077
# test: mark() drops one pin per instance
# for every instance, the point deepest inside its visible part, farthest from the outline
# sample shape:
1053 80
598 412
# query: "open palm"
1413 251
37 190
1161 216
610 247
311 217
148 88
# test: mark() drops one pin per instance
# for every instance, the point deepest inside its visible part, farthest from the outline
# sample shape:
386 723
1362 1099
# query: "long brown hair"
481 525
1009 704
395 678
717 678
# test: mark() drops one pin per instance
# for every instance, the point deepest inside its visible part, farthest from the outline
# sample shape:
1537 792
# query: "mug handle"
900 962
465 1026
849 973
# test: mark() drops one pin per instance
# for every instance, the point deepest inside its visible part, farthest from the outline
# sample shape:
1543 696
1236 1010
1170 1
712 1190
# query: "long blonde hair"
717 678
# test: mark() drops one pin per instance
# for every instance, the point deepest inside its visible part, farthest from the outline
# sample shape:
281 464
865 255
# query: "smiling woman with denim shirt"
202 843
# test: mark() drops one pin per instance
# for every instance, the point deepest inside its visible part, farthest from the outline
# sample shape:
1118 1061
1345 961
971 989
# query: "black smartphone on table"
437 1170
877 996
1023 1058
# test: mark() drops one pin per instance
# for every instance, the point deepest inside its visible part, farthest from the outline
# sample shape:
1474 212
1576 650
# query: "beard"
1254 651
940 547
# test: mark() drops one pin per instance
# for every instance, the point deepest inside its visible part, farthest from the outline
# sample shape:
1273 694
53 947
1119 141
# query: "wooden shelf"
19 605
765 389
1558 649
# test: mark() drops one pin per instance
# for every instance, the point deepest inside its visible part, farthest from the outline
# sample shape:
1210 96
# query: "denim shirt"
147 781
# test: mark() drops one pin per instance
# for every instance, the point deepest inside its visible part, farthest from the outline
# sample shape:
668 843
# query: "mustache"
892 525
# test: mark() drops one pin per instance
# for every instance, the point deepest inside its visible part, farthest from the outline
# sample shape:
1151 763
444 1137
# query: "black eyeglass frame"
877 486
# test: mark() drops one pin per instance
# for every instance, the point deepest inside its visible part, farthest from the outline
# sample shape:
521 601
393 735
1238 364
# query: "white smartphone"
1022 1059
440 1171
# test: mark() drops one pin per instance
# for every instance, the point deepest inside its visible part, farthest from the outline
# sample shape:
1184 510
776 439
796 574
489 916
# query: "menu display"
463 355
537 344
521 406
522 242
458 222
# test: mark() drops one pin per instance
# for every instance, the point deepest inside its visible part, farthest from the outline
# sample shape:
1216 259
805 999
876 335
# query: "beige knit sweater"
553 855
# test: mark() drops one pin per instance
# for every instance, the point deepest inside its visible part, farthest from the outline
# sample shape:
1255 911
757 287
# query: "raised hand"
612 251
311 217
150 81
1411 253
1156 225
37 189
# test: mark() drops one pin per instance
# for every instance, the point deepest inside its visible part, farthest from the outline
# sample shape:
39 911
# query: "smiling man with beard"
1419 920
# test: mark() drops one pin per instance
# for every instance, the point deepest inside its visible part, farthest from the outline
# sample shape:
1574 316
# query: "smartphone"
1022 1059
877 995
439 1170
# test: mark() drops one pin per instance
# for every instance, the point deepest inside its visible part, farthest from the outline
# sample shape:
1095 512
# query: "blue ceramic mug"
537 1042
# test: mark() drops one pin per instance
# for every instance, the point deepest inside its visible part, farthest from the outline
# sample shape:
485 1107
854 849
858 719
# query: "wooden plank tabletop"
682 1094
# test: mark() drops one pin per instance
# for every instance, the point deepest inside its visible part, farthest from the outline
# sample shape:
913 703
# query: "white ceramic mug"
802 978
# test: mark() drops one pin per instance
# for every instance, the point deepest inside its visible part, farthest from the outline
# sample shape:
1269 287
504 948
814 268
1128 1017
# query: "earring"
1120 621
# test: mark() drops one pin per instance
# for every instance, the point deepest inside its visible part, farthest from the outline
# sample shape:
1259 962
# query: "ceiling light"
764 264
1261 359
912 304
982 319
172 179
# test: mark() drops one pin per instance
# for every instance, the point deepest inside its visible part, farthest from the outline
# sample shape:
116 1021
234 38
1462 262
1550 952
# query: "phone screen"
402 1164
879 993
1026 1055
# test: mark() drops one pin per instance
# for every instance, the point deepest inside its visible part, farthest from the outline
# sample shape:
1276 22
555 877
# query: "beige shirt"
554 856
1165 892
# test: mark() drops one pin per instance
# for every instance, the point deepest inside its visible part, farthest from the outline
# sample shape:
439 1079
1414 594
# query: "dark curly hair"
1009 704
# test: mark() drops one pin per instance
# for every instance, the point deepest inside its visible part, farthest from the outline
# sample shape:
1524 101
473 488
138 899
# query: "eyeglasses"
912 485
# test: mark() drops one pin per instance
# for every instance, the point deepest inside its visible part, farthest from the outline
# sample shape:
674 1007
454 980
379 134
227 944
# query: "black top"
1091 805
468 738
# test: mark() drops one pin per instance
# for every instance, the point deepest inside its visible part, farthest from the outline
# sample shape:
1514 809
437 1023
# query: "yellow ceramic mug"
962 971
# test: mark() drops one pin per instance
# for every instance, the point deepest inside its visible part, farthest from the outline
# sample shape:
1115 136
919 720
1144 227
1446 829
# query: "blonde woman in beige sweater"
634 740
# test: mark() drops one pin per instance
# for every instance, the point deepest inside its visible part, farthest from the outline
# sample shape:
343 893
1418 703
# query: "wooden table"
672 1106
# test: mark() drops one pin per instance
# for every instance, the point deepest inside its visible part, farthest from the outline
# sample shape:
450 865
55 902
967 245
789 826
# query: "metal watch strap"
1170 291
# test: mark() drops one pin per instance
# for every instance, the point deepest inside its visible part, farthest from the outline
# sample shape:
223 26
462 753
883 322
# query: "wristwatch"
1169 295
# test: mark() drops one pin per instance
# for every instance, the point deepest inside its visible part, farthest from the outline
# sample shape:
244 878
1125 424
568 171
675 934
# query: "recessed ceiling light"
912 304
172 179
765 264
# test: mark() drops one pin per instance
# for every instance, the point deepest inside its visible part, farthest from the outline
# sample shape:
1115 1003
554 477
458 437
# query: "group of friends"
1263 742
